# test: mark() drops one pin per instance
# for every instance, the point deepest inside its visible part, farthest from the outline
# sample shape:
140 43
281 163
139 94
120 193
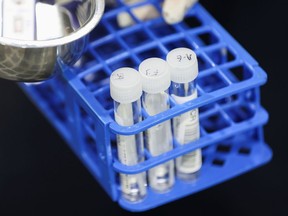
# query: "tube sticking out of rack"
183 67
126 91
142 13
174 11
158 139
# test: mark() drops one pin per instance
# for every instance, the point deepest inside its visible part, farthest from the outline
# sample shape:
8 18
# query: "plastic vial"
183 66
158 139
126 91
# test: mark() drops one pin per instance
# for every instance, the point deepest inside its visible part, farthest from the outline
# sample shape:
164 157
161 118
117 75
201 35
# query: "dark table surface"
39 175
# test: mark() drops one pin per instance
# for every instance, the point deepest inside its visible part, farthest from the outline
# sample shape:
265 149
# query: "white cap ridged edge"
155 75
183 65
125 85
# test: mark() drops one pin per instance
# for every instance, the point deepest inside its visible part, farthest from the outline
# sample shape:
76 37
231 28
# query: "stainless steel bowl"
37 35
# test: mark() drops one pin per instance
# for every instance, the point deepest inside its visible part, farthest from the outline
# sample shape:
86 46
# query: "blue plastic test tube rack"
77 102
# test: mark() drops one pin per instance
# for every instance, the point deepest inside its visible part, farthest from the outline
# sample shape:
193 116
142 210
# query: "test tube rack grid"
77 101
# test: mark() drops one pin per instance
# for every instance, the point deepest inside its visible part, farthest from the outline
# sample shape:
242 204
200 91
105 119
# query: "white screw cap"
155 75
183 65
125 85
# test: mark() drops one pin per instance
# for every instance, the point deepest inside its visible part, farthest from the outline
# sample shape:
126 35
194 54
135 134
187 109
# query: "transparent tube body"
130 151
159 141
186 129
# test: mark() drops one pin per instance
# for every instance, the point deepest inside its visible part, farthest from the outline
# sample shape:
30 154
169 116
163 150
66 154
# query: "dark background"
39 175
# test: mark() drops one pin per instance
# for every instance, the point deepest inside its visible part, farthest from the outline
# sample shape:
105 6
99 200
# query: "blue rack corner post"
78 104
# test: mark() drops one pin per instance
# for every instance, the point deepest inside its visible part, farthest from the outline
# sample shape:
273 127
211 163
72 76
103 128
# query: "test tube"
174 11
126 91
158 139
183 67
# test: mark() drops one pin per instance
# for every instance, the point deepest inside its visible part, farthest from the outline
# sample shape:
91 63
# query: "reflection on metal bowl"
39 34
